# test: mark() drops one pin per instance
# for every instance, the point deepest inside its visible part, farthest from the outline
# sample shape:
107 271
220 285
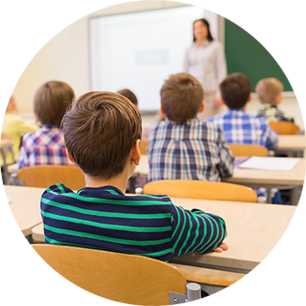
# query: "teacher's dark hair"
205 22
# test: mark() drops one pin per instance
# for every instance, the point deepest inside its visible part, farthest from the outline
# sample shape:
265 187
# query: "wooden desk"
25 206
250 177
291 142
253 231
293 180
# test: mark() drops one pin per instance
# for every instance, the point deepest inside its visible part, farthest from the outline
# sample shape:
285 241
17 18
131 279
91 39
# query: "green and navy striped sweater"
104 218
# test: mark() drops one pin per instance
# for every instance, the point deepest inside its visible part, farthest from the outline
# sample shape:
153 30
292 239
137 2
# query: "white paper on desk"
270 163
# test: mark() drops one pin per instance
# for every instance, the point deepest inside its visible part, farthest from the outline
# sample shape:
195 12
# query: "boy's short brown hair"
128 94
100 130
51 101
181 97
267 89
235 90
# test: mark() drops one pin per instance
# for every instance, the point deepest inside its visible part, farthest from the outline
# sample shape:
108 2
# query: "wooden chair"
201 190
284 127
143 145
124 278
44 176
246 150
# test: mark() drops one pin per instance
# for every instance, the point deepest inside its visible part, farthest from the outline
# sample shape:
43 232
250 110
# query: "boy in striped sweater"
102 133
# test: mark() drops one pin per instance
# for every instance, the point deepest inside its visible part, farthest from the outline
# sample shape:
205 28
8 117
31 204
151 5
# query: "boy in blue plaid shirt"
238 126
182 147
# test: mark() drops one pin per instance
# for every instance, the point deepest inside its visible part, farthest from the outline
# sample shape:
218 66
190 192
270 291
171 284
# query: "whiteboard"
140 50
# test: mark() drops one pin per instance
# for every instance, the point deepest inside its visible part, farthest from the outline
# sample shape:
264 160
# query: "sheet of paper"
270 163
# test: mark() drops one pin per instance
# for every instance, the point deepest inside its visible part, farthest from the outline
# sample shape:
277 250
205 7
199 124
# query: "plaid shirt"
239 127
43 147
192 150
272 113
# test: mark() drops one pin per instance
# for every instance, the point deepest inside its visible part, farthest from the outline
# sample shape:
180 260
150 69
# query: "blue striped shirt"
193 150
104 218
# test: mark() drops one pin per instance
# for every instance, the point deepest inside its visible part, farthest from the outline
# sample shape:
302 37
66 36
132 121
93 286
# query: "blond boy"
269 92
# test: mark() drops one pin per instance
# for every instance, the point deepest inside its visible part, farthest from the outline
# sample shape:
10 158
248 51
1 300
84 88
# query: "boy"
46 146
14 126
269 92
146 127
182 147
237 125
102 134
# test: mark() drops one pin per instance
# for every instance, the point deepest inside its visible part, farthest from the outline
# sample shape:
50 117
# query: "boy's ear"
162 111
202 107
69 157
250 97
136 155
277 99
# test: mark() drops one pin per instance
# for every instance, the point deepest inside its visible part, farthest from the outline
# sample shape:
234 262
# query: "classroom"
260 262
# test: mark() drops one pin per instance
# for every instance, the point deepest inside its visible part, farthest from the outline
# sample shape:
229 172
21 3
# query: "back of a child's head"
181 97
235 90
267 89
130 95
100 130
51 101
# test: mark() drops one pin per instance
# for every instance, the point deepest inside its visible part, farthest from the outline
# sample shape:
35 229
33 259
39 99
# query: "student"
13 127
269 92
102 132
146 127
183 147
238 126
46 146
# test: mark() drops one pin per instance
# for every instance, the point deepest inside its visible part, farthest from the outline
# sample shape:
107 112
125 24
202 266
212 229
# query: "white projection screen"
140 50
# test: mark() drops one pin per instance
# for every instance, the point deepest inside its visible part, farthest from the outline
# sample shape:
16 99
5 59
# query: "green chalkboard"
267 46
21 37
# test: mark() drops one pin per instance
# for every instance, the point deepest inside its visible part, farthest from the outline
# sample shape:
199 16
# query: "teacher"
205 60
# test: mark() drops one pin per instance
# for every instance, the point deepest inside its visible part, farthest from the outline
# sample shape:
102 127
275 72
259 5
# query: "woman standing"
205 60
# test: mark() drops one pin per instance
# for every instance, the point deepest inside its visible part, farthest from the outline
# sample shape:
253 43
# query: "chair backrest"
44 176
201 190
125 278
284 127
143 145
246 150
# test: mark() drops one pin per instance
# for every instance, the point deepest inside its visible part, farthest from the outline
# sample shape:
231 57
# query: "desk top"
291 143
263 178
253 231
25 206
250 177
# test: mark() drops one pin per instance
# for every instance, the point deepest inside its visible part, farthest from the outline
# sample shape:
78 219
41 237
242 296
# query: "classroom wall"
66 57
